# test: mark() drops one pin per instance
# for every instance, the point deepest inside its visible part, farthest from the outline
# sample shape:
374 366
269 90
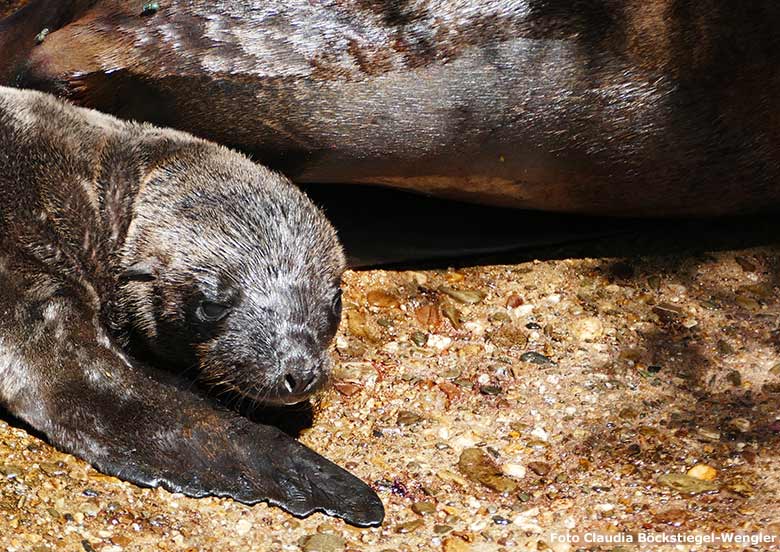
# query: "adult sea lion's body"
659 107
125 249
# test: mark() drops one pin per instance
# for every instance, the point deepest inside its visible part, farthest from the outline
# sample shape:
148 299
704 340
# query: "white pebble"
439 342
540 433
514 470
243 526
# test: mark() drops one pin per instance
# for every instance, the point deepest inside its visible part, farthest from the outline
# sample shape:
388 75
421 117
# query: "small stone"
703 472
322 542
407 417
419 338
654 282
440 342
514 470
409 526
724 347
381 298
775 370
668 309
747 303
150 8
499 520
514 301
477 465
41 36
429 316
588 329
686 484
707 434
464 296
424 508
90 509
746 264
740 424
347 389
535 358
441 529
452 314
734 378
490 390
121 540
499 316
455 544
540 468
243 526
11 472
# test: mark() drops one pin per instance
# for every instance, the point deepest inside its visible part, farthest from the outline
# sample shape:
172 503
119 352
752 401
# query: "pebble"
381 298
686 484
464 296
346 389
746 264
455 544
477 465
703 472
243 526
535 358
322 542
424 508
740 424
540 468
490 390
439 342
588 329
707 434
150 8
41 36
514 301
734 378
419 338
429 316
514 470
409 526
441 529
407 417
452 314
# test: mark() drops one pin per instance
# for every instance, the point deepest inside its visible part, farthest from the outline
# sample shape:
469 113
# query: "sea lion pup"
121 242
632 108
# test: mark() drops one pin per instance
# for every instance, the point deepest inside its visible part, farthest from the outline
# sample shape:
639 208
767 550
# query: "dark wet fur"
109 231
662 107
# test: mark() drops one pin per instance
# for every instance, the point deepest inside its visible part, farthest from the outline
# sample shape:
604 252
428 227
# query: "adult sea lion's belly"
649 108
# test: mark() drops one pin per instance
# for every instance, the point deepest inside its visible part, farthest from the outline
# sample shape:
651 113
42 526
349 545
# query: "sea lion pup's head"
229 269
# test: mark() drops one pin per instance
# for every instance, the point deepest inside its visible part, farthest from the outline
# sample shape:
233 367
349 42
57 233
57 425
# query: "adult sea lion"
642 107
125 248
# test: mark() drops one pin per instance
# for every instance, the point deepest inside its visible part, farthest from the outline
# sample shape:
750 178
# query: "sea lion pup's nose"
299 384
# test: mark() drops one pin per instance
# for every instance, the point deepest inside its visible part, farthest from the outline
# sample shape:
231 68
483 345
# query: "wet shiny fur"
595 106
130 253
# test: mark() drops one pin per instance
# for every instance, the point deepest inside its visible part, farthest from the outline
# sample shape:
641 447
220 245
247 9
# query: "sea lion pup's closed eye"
128 249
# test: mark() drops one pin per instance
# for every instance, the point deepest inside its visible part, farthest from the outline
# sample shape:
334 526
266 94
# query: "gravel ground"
493 406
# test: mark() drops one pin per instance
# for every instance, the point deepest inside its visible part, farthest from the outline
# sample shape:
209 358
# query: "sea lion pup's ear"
141 271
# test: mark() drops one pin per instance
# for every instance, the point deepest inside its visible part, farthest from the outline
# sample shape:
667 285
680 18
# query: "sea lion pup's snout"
236 278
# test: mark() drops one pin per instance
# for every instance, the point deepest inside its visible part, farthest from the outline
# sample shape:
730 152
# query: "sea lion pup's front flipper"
61 373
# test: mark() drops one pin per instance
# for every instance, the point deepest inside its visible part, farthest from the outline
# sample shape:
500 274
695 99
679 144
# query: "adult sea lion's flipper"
60 373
